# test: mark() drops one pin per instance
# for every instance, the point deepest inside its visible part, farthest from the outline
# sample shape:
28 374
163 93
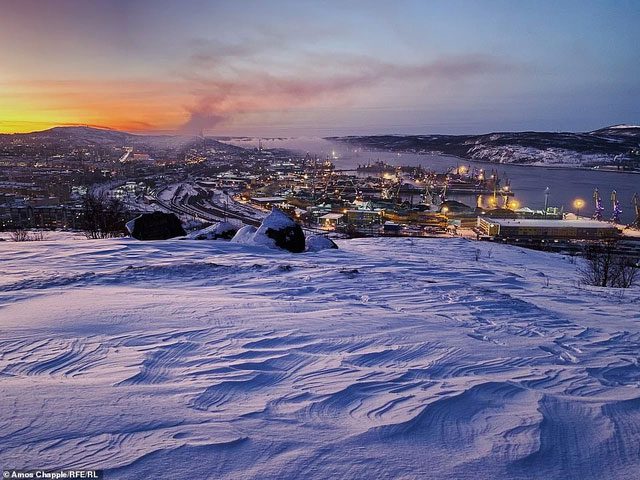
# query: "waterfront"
528 182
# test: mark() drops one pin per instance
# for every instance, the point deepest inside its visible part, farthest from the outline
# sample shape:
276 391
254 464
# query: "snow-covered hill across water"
617 145
387 358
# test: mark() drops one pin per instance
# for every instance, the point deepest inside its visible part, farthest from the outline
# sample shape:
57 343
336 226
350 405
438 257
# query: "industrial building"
546 229
269 202
364 217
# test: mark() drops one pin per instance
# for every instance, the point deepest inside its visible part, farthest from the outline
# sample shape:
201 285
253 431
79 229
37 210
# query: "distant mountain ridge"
73 132
614 145
83 136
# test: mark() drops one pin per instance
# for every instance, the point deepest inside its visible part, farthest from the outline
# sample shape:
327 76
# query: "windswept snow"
387 358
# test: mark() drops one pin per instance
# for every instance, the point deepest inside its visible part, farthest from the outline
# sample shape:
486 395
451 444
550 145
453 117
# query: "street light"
578 203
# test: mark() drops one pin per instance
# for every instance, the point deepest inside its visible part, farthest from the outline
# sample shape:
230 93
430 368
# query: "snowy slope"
610 145
388 358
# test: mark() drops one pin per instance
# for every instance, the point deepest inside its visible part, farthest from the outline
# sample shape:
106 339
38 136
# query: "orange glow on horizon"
148 106
129 106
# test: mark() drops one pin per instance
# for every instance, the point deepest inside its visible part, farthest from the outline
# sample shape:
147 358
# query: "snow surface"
388 358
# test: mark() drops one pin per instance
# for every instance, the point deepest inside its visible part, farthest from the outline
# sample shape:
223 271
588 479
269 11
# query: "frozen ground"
389 358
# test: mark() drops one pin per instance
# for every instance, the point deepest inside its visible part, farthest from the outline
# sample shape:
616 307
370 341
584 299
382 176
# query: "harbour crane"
597 215
617 211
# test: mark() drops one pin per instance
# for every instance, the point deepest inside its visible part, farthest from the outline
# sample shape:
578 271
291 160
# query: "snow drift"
389 358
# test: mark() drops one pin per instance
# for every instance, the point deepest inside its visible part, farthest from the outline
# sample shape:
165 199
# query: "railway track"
208 213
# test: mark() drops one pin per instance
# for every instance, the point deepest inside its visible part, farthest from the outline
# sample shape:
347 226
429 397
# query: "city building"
546 229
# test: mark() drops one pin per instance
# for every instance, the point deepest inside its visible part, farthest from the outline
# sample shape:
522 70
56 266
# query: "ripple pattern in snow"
388 358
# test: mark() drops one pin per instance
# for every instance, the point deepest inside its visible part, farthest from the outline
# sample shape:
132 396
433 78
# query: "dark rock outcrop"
156 226
278 229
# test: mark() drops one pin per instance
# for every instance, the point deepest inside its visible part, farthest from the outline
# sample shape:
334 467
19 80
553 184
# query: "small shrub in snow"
24 235
603 267
19 235
38 236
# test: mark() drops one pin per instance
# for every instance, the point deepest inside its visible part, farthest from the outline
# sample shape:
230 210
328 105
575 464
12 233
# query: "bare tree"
603 266
103 216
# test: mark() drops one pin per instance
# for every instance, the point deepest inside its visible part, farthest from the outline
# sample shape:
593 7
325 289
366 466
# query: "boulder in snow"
276 231
217 231
315 243
279 230
155 226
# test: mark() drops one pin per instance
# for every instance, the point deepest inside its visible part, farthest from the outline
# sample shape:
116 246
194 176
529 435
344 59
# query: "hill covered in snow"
387 358
615 145
58 138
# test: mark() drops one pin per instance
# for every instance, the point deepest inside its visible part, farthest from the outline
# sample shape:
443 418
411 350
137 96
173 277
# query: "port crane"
617 211
599 209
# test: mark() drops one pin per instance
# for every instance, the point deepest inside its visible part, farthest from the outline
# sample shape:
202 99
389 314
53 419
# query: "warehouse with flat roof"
546 229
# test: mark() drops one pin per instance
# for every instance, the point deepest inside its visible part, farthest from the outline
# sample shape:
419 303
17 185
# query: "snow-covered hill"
82 136
616 145
388 358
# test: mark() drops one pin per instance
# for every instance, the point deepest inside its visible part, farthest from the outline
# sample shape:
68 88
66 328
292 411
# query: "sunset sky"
319 67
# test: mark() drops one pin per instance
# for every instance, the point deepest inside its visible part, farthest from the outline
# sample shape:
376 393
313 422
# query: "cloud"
218 85
224 87
203 116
